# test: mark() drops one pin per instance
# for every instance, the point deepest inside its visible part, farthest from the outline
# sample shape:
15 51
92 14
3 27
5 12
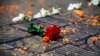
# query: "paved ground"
12 36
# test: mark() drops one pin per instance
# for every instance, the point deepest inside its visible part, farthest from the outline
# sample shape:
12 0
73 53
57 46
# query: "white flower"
95 2
21 15
55 11
18 18
74 6
77 5
15 19
70 7
42 13
48 12
38 15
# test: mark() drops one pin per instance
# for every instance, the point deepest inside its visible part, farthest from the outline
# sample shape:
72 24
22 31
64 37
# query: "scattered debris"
74 6
14 54
94 20
24 48
80 13
64 30
95 38
44 48
74 30
30 4
66 40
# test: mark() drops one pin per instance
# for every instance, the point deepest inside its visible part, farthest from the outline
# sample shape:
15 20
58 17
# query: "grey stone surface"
16 37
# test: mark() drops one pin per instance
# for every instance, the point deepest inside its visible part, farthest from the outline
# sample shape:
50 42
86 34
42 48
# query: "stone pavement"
14 36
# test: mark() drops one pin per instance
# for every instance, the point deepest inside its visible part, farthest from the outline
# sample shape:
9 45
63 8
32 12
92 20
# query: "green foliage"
35 29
